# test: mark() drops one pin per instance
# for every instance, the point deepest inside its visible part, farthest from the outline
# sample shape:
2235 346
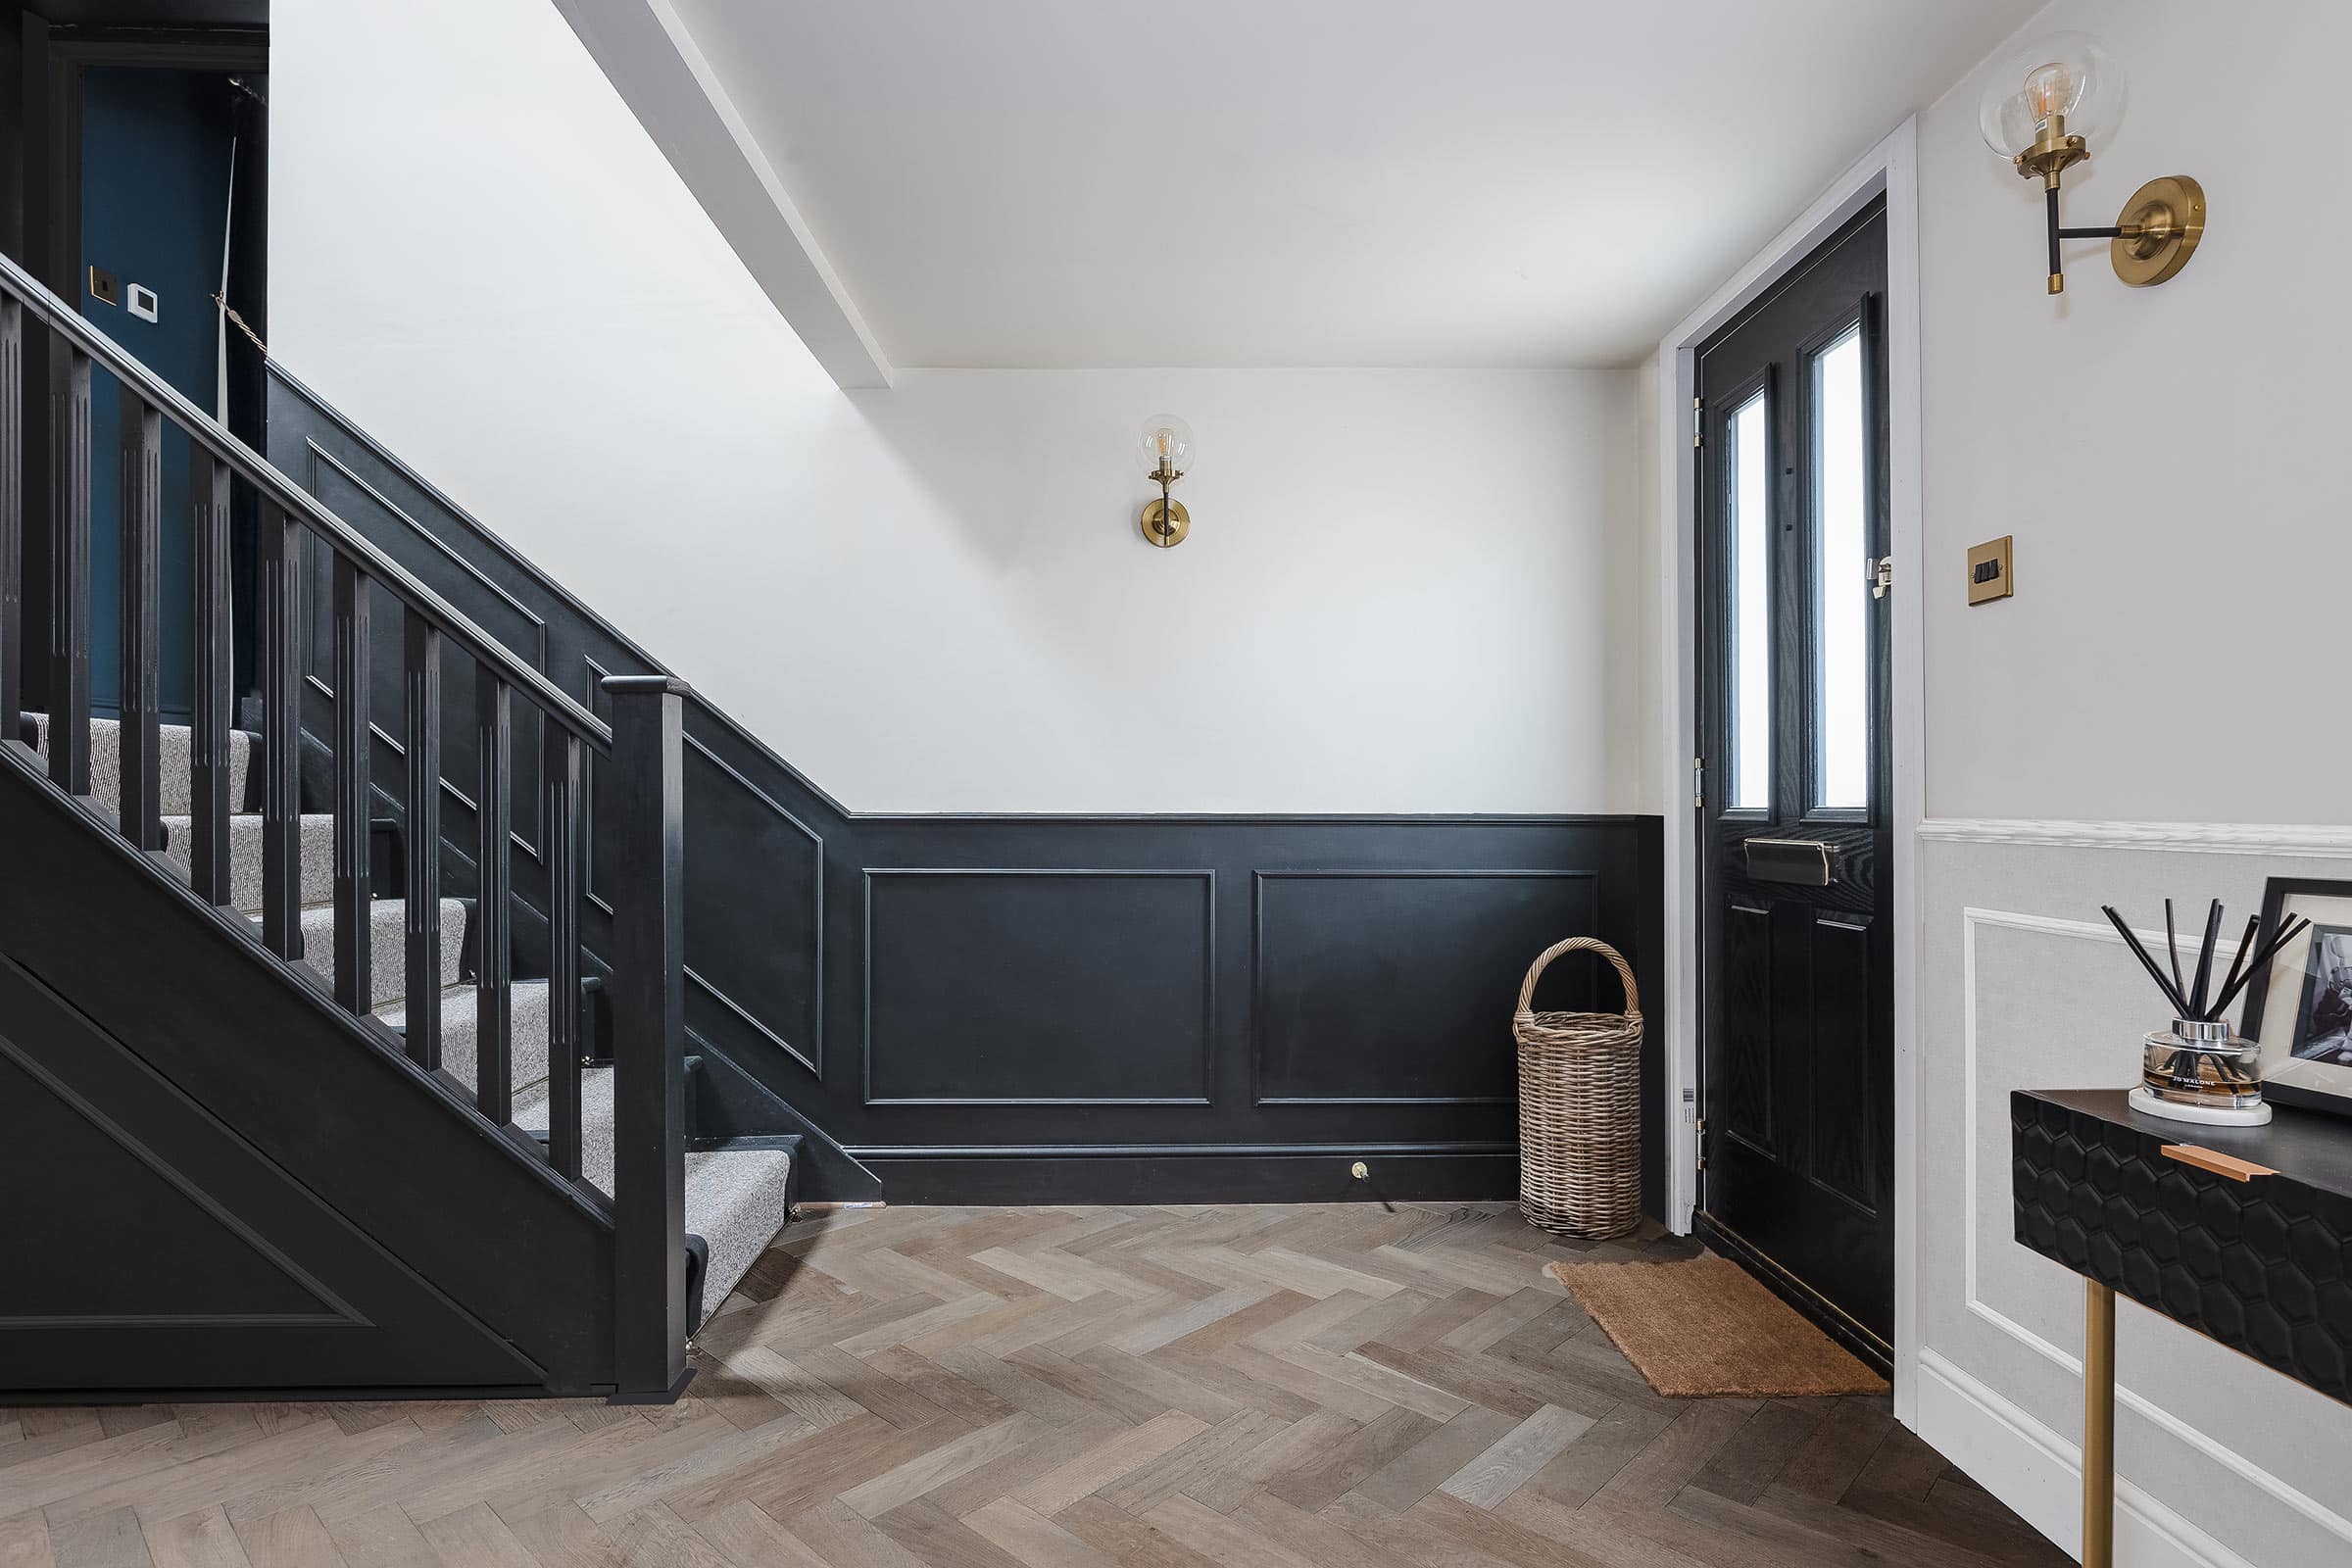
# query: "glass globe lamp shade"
2065 76
1166 441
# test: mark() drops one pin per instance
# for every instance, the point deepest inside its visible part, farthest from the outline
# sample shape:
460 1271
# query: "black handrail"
647 796
284 492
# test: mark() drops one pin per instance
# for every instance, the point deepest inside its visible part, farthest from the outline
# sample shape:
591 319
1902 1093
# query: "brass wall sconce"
1166 451
2073 95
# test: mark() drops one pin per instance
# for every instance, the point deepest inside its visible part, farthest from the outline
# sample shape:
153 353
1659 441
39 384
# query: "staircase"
301 1093
736 1198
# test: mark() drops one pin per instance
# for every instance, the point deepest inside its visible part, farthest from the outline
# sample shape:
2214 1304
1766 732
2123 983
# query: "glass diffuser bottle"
2201 1068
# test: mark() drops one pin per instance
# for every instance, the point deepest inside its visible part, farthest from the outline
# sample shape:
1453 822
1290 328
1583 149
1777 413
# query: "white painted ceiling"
1309 182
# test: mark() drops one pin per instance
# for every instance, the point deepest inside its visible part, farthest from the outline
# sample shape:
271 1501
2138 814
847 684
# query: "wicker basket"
1580 1108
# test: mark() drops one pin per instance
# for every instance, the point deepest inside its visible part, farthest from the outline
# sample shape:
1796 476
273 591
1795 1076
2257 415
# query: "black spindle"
70 585
281 733
208 771
560 763
354 958
647 868
12 516
140 802
493 1022
420 687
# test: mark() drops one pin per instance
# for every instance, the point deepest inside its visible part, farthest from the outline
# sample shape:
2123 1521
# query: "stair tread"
175 743
396 1012
736 1198
388 939
315 841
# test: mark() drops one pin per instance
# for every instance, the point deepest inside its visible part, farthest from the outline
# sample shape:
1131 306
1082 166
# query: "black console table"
2243 1234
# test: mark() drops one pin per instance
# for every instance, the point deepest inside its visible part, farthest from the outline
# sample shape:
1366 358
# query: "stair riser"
173 767
596 1124
388 952
245 857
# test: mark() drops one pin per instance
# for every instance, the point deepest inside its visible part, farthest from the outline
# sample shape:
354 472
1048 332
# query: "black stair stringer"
213 1183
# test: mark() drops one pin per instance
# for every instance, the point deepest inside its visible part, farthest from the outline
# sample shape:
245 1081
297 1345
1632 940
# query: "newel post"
647 882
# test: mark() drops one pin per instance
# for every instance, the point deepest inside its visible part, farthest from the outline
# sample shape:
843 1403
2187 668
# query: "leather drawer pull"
2214 1160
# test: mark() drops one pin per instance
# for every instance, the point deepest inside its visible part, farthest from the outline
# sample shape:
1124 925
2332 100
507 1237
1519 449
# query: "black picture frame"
2287 1079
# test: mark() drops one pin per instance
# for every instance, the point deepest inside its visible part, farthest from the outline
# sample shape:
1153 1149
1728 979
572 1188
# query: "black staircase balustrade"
494 952
649 1031
12 516
643 749
280 607
210 769
70 590
560 765
420 879
139 683
354 909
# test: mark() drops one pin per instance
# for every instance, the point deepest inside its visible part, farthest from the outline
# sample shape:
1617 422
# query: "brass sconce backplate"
1166 523
2164 219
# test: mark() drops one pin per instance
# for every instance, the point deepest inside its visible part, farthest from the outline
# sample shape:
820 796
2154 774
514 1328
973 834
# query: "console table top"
2309 1146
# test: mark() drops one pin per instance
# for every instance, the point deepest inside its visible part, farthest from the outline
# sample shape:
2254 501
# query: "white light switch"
140 300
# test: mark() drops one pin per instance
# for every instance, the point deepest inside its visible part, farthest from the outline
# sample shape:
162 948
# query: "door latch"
1882 576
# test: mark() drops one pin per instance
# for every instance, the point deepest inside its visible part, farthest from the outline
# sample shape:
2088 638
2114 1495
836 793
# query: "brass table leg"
2098 1425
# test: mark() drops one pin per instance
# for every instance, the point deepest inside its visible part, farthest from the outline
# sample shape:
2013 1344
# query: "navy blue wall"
155 184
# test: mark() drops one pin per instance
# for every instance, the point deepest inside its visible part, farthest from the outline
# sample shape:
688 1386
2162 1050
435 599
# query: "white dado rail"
2315 841
2027 1461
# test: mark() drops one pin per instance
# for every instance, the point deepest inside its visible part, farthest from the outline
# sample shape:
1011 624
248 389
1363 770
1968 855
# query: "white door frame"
1891 169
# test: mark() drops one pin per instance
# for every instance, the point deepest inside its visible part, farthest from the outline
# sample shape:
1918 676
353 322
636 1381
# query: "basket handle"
1527 991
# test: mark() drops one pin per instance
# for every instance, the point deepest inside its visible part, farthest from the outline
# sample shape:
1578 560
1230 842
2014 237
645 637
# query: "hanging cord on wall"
238 322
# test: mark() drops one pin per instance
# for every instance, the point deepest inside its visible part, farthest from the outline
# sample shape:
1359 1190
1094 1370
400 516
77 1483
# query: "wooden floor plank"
1517 1454
110 1540
288 1539
1028 1537
475 1537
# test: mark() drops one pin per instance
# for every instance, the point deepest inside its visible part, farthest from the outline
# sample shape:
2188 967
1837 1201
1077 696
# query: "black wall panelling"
1431 951
1016 1007
997 986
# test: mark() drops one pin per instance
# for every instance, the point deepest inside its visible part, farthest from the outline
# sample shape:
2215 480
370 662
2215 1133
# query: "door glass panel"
1750 602
1841 568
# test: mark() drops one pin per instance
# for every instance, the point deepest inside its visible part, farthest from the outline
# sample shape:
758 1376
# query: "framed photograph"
2302 1010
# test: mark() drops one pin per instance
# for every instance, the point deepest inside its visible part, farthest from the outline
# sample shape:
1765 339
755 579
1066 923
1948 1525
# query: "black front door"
1797 1059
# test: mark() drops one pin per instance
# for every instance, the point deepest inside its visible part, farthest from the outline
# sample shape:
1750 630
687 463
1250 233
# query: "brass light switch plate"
103 289
1989 572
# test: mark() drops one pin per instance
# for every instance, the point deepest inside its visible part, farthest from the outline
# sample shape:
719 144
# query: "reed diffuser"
2200 1069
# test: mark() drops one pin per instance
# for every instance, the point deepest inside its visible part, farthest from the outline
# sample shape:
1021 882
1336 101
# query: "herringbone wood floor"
1316 1387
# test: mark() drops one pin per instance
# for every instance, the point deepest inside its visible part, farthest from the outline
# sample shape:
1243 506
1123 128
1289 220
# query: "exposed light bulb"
1165 446
2065 77
2052 90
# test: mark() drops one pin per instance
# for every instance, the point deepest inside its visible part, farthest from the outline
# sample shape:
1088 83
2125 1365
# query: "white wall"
935 597
2168 459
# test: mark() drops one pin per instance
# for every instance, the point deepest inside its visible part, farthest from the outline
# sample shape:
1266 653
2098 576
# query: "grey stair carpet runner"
736 1198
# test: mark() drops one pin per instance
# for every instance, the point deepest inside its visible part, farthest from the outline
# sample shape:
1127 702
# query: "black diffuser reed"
2176 1066
2199 1001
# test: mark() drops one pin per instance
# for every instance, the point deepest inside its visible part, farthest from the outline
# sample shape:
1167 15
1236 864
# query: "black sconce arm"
2167 215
